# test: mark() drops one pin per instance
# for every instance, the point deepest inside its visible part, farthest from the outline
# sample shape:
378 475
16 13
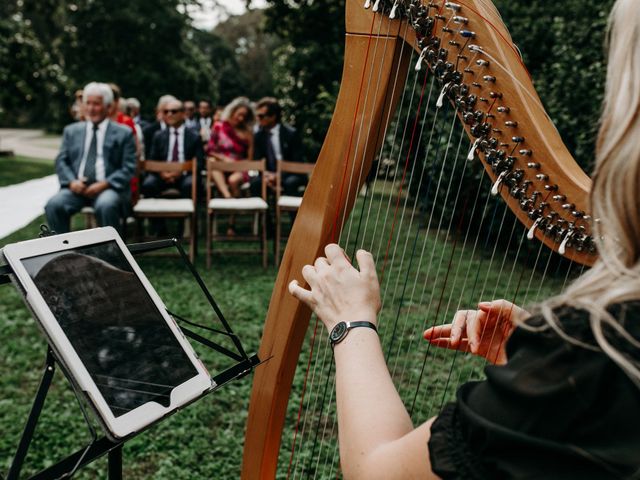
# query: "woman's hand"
339 292
483 332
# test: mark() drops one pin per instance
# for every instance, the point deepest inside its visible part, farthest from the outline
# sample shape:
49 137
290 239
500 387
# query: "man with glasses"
275 141
176 143
150 130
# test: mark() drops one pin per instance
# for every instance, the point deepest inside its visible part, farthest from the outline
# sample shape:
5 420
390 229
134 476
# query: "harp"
462 61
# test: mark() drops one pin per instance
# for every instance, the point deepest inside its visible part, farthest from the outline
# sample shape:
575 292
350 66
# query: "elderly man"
95 165
150 130
176 143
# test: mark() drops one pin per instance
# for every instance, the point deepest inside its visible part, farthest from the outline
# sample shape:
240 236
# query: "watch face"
338 332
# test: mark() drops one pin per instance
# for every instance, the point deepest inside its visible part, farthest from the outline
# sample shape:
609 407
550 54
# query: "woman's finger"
463 345
366 264
302 294
336 256
320 263
458 326
477 327
437 332
310 274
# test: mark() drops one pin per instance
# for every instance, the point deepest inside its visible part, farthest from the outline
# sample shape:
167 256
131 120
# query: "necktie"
90 164
174 154
271 154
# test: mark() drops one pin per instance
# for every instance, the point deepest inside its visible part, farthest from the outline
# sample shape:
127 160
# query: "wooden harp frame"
512 136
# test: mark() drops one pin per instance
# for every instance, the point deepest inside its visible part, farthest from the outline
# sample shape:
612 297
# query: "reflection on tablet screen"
113 325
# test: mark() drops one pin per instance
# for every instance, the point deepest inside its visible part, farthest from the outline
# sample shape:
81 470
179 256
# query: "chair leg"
264 240
193 240
277 239
209 239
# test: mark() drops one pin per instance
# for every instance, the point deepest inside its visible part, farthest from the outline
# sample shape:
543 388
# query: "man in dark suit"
176 143
95 165
151 129
276 141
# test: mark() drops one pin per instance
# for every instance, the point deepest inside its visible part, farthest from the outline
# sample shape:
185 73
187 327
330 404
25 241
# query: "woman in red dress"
232 140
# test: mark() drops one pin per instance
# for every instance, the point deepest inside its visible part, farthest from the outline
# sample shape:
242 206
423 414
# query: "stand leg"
32 421
115 463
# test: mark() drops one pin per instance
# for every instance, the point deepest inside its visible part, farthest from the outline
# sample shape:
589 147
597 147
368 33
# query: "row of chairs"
255 207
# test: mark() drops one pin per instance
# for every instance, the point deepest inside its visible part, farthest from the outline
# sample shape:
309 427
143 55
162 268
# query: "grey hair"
133 103
234 105
615 277
98 89
164 99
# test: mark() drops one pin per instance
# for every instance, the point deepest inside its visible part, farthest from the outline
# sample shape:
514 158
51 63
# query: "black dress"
554 411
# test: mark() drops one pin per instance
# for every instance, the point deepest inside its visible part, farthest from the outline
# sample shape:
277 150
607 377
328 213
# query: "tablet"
108 327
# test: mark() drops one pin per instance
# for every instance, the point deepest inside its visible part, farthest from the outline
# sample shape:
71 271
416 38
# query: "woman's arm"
377 438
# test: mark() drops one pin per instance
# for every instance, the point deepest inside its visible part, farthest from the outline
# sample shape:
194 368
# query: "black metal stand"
98 447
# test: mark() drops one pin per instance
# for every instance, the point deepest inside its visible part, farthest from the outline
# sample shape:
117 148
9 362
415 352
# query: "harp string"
364 104
390 258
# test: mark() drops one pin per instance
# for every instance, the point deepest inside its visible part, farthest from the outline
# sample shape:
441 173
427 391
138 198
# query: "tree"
308 65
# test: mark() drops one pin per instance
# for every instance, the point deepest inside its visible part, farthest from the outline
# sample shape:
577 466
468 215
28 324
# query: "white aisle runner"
22 203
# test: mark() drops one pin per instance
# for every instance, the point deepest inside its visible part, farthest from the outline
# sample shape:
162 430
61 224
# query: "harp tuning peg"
394 9
367 4
532 231
563 246
376 6
421 59
445 89
474 147
496 186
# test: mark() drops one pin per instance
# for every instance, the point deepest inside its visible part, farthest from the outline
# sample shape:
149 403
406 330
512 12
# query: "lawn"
428 274
19 169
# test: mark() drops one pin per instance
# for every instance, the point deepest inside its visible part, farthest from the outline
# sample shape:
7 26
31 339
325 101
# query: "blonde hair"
615 278
235 104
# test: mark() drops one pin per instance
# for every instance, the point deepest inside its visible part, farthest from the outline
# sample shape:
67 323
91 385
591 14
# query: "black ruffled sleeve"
554 411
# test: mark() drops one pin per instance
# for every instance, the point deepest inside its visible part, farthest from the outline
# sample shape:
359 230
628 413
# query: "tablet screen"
110 320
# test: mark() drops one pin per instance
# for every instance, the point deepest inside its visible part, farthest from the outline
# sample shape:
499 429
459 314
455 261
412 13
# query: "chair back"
163 166
285 166
215 163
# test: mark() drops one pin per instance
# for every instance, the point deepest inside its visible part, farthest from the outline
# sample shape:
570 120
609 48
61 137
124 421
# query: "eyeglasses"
172 111
262 115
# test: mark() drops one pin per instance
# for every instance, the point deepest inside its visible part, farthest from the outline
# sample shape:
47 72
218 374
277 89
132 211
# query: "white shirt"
100 134
275 141
172 140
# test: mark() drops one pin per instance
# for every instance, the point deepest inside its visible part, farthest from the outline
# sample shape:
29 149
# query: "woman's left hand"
339 292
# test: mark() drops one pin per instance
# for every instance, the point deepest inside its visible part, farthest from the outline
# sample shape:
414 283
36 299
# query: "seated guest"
176 143
232 140
190 119
150 130
133 110
204 120
275 141
95 165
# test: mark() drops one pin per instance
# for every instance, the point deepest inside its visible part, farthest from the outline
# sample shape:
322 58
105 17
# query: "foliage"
53 47
252 47
307 66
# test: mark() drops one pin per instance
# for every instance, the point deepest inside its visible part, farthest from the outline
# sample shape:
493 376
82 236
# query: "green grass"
206 439
20 169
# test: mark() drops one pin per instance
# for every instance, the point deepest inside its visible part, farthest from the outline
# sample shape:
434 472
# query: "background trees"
293 49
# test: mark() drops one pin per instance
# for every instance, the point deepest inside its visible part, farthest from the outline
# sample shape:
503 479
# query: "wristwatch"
340 331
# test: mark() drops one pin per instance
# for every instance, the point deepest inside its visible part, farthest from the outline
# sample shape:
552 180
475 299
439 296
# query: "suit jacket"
192 146
290 144
148 133
119 153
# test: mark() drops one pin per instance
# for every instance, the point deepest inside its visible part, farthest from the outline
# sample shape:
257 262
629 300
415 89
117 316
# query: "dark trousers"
110 208
153 185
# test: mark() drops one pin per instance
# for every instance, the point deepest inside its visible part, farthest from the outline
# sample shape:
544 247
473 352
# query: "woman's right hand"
483 332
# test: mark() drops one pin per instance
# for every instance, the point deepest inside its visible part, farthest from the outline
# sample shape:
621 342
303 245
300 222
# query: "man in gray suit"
95 165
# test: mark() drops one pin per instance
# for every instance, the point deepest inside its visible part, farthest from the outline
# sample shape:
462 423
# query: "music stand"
99 446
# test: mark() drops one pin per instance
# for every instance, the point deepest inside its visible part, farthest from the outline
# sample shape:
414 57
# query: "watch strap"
343 329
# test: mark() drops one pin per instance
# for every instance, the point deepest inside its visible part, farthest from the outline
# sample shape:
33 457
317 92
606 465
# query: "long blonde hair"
615 201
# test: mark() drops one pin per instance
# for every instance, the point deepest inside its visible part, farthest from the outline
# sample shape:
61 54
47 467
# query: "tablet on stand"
108 329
